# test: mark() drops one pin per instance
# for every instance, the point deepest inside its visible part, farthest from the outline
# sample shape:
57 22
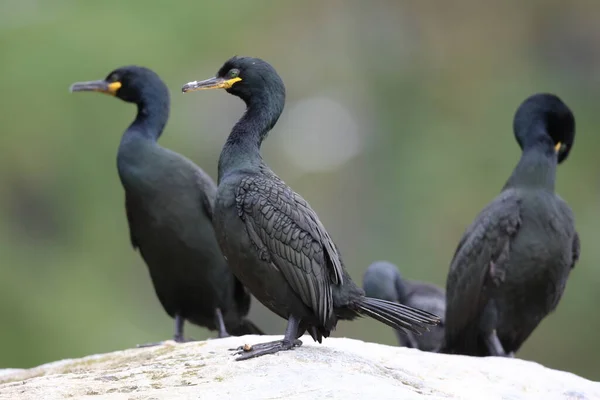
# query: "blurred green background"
397 129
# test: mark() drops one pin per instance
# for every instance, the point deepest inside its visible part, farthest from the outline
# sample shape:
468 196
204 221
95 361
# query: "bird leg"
494 346
220 324
407 339
289 342
177 337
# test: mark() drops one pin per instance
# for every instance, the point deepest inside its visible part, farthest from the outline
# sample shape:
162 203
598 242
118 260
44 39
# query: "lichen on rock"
340 368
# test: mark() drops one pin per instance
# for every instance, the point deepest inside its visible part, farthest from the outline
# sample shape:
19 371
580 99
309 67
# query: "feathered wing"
576 250
576 244
130 220
207 192
290 236
478 262
241 294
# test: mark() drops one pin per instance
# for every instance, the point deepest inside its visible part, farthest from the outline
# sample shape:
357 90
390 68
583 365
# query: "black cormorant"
512 264
382 280
271 237
169 206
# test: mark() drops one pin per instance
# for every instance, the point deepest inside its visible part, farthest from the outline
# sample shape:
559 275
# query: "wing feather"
289 234
486 241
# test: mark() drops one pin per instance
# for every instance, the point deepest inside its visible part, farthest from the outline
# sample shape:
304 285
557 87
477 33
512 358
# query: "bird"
273 240
511 266
382 280
169 204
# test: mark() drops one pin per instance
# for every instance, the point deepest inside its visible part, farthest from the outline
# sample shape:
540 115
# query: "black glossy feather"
511 266
291 236
273 240
382 280
169 208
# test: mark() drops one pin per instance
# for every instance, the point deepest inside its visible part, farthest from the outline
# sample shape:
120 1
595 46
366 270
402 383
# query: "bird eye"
233 73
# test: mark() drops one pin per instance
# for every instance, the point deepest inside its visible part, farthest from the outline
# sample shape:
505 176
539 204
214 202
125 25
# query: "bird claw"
249 351
241 349
239 352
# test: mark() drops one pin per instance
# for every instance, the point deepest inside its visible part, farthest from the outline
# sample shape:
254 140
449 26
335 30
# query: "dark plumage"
512 264
382 280
169 205
273 240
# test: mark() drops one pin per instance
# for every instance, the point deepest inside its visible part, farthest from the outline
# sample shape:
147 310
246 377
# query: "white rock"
7 371
338 369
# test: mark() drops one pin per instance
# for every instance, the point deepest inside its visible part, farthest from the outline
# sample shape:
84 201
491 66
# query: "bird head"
132 84
246 77
542 116
382 280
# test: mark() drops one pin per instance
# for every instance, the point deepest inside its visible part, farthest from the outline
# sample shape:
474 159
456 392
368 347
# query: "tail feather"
398 316
410 312
246 327
399 325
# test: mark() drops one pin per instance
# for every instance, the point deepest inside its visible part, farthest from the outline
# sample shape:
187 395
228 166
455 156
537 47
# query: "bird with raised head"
382 280
512 264
273 240
169 206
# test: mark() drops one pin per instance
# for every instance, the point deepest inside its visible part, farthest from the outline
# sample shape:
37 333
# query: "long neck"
242 149
152 116
536 168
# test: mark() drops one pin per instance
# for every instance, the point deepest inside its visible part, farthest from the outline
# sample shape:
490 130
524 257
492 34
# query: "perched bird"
169 206
382 280
512 264
273 240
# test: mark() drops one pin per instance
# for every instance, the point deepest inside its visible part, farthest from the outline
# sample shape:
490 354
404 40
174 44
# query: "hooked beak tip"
188 87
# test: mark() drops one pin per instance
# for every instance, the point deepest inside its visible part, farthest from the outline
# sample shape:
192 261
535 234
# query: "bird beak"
96 86
212 83
557 147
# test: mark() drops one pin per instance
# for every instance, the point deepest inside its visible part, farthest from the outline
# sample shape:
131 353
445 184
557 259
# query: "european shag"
169 206
273 240
382 280
512 264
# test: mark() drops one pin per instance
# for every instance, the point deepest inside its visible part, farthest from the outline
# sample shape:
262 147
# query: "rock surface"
338 369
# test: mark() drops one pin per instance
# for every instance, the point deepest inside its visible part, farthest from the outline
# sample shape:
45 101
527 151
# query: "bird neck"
401 289
242 149
536 168
149 122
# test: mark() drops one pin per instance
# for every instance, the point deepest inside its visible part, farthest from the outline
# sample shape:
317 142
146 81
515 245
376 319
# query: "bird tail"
246 327
397 316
